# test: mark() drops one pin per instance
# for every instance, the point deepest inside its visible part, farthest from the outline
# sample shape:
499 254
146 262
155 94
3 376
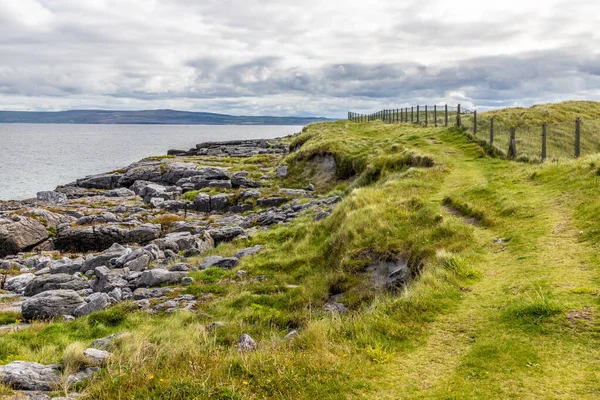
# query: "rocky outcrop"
101 181
45 283
98 238
52 197
159 276
23 375
17 284
20 233
51 304
95 302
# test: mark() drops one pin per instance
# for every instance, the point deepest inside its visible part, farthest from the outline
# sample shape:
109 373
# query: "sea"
37 157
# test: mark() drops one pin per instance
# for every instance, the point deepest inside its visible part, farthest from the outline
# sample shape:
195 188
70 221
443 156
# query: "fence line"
559 140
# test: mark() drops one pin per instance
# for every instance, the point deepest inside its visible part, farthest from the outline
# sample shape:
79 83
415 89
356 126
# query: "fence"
546 141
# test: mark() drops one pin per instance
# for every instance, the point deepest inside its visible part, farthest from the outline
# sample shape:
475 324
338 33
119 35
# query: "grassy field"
560 129
504 303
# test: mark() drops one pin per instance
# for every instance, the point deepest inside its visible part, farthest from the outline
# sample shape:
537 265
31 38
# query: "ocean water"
36 157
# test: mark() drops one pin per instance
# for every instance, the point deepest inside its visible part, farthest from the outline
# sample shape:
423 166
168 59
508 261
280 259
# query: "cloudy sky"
309 57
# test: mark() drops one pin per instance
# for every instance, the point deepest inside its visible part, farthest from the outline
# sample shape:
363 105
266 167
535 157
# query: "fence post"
418 117
577 137
458 116
544 136
426 116
412 114
435 114
511 154
397 115
492 131
446 107
475 122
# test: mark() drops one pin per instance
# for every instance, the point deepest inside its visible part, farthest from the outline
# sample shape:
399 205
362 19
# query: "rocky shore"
129 235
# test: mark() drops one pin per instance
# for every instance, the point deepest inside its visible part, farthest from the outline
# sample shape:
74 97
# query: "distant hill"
165 117
566 111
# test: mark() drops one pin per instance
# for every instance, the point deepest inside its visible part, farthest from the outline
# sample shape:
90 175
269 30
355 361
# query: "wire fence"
527 143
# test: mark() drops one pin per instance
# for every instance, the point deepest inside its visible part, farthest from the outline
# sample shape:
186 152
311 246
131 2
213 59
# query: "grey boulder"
50 304
19 234
23 375
18 283
95 302
52 197
55 282
220 262
159 276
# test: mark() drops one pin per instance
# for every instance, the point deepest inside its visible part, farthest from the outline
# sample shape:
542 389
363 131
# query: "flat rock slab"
51 304
23 375
97 356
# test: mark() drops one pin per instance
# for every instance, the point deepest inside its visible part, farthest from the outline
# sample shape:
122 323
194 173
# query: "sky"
295 58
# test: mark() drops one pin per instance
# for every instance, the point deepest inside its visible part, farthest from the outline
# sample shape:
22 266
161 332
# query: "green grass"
505 308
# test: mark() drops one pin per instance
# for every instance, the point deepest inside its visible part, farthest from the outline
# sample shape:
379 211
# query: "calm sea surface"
36 157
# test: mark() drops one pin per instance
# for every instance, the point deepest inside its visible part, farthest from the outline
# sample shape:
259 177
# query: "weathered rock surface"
23 375
52 197
95 302
50 304
159 276
81 376
101 181
98 238
96 356
17 284
246 343
220 262
20 233
55 282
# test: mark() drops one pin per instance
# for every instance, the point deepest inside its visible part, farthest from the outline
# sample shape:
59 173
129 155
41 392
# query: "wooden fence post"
544 136
412 114
397 115
511 154
475 122
458 116
418 114
426 116
446 107
578 137
435 114
492 131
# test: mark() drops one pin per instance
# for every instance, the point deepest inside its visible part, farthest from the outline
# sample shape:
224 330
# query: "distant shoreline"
147 117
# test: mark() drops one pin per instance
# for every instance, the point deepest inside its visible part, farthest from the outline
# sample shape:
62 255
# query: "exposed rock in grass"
23 375
97 356
249 251
95 302
246 343
159 276
50 304
81 376
220 262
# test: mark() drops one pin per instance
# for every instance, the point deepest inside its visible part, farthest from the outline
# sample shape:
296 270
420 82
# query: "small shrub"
167 221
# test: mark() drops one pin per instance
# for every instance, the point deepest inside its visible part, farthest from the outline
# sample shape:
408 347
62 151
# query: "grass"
506 308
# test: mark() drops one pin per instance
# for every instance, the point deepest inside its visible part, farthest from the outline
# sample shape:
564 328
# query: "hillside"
539 114
442 273
172 117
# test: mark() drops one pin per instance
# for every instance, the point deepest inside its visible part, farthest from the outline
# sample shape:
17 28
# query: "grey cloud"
290 58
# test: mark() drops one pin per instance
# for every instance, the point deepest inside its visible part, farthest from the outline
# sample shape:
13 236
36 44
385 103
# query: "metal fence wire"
541 142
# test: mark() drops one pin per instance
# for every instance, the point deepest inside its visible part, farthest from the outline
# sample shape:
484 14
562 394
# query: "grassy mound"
539 114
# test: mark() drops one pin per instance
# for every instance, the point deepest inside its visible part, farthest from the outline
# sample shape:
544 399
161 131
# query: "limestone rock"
50 304
55 282
20 233
246 343
23 375
52 197
97 356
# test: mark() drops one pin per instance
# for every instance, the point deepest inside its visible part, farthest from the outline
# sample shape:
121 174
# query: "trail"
473 347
